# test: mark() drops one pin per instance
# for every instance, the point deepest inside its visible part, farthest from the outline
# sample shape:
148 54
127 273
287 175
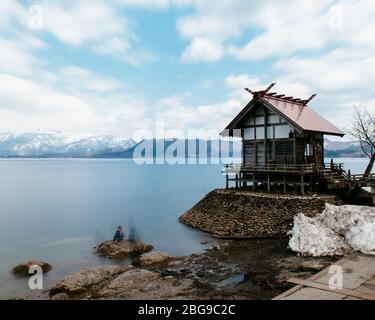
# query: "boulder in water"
122 249
23 268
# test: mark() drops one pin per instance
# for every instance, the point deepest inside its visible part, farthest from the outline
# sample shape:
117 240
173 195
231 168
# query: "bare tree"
363 129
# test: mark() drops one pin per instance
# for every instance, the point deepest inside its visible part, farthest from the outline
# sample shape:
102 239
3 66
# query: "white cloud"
11 11
98 24
147 4
77 78
242 81
17 55
281 29
202 50
27 105
176 113
78 22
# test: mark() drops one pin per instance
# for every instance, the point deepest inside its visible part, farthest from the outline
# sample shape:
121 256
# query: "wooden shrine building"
283 146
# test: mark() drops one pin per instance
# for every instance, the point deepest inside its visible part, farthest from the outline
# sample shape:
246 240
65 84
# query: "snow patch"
355 223
336 231
312 238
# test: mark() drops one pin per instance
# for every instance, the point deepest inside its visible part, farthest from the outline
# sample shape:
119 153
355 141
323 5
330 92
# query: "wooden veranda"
295 177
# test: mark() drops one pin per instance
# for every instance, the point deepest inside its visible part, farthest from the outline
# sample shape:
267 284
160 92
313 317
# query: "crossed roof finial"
266 93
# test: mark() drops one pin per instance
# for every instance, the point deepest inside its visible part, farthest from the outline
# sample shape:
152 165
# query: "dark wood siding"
261 159
284 152
249 152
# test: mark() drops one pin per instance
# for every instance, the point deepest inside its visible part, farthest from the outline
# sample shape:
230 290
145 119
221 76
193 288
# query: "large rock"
153 258
85 279
23 269
143 284
123 248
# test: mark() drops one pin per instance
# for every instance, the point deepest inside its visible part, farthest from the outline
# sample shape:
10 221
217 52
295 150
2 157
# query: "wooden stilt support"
236 181
268 183
254 183
302 184
284 183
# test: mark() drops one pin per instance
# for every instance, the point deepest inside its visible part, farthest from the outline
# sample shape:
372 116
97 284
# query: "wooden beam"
250 91
299 286
321 286
269 87
305 102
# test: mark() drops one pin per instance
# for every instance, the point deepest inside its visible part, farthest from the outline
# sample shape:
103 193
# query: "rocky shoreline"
243 214
254 268
229 269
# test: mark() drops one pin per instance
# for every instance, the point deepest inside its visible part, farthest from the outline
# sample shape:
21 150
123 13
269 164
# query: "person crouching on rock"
119 235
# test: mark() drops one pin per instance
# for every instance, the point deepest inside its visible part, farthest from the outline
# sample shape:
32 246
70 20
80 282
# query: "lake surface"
57 210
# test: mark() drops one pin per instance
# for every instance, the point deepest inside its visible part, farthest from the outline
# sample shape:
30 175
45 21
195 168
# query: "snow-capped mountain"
36 144
339 145
56 144
343 149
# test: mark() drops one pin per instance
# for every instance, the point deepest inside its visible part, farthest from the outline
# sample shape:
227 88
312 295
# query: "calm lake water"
57 210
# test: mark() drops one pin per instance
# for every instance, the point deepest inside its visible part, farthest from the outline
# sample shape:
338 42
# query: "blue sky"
117 66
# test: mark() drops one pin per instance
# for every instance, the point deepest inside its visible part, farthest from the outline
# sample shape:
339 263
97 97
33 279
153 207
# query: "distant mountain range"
343 149
57 145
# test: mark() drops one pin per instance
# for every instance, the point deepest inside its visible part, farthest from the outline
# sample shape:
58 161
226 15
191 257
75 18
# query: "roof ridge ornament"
305 102
266 93
261 92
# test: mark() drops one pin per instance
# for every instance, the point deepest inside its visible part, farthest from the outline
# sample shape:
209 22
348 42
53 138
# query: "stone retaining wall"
243 214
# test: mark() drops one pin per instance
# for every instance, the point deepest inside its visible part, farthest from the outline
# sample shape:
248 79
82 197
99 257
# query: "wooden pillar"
236 181
284 183
226 181
240 180
265 136
268 183
302 184
254 183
